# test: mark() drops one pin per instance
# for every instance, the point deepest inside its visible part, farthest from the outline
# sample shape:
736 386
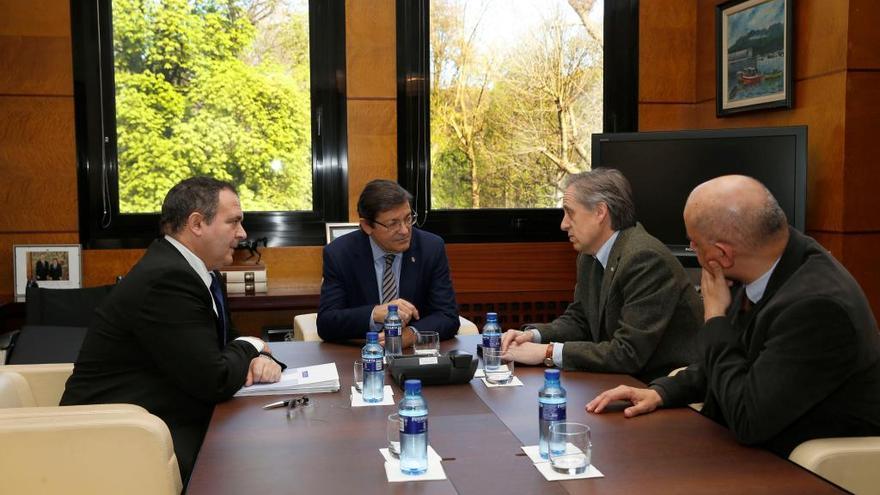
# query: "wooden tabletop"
333 448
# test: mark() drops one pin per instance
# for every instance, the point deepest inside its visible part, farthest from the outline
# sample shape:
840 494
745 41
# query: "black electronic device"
450 368
664 167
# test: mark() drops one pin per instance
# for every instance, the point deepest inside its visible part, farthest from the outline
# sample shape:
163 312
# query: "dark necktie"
217 294
595 310
746 304
389 285
741 316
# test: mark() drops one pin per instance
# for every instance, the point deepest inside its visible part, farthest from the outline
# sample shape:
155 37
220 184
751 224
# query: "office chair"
849 462
55 324
63 307
104 448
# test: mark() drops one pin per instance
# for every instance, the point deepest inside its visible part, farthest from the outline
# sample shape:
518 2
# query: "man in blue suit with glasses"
387 261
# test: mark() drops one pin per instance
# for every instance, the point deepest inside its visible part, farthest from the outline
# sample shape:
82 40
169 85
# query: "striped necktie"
389 285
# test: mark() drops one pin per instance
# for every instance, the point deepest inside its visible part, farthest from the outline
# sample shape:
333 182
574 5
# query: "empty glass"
394 426
500 374
427 344
359 376
570 447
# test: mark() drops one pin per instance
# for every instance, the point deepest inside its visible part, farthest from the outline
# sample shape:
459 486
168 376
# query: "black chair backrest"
63 307
39 344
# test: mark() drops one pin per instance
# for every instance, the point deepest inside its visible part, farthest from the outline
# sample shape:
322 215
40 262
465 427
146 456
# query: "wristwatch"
548 356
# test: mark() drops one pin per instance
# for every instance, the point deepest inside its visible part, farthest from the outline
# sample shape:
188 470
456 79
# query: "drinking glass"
427 344
359 376
570 447
499 374
394 426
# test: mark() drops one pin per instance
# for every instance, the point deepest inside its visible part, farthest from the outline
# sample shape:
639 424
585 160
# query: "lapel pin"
413 259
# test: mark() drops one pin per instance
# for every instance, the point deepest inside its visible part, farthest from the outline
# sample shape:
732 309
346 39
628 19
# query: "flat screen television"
663 168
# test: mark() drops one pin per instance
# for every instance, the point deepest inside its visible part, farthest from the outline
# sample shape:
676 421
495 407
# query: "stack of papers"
308 379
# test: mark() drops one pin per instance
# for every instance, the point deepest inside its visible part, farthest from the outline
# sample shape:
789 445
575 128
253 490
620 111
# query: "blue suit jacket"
350 289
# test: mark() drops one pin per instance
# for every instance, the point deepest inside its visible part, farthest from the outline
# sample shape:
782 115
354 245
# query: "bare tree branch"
582 8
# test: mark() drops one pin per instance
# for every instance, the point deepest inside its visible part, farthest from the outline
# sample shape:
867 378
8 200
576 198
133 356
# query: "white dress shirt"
202 271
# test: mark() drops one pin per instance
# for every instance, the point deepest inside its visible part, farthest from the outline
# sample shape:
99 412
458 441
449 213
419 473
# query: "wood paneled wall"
37 162
836 95
38 169
836 81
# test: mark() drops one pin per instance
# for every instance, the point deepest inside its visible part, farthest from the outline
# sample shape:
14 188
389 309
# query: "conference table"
333 448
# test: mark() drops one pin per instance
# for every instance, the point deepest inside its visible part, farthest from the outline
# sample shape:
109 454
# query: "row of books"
245 279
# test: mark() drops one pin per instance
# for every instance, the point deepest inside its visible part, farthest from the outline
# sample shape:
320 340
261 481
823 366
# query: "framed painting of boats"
753 55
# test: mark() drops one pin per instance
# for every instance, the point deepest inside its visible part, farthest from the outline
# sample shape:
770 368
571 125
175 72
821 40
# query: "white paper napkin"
481 372
357 398
515 382
392 468
534 453
543 466
551 475
433 456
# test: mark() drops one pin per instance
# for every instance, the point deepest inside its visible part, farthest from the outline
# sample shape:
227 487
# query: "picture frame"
53 266
753 56
337 230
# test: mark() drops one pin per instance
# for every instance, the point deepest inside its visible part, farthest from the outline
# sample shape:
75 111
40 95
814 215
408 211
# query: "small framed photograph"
337 230
53 266
753 55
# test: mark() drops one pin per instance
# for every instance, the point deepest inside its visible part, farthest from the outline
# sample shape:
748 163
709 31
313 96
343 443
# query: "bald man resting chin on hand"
793 352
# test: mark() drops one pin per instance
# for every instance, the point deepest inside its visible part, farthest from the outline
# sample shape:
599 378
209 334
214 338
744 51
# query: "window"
249 91
496 104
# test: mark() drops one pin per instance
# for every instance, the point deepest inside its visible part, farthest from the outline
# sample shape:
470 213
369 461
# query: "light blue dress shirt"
379 266
755 290
202 271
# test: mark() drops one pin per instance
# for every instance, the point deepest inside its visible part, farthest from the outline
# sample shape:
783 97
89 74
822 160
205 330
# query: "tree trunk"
475 182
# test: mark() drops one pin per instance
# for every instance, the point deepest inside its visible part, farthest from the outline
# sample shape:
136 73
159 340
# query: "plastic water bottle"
491 339
374 370
413 412
551 410
393 328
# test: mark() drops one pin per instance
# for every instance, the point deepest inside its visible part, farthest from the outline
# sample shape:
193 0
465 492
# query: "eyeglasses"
397 225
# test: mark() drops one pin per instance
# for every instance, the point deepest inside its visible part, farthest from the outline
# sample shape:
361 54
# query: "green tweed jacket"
640 317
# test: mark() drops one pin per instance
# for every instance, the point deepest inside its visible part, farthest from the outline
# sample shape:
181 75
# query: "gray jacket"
644 319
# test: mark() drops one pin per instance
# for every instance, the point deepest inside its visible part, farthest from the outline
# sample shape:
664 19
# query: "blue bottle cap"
372 337
492 316
412 386
551 375
392 308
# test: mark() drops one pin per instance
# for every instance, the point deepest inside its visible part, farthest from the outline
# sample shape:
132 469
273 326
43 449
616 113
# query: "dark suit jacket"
803 363
41 270
350 289
55 271
154 342
641 318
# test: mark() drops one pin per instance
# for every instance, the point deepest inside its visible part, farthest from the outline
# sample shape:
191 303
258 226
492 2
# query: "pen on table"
292 402
280 403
